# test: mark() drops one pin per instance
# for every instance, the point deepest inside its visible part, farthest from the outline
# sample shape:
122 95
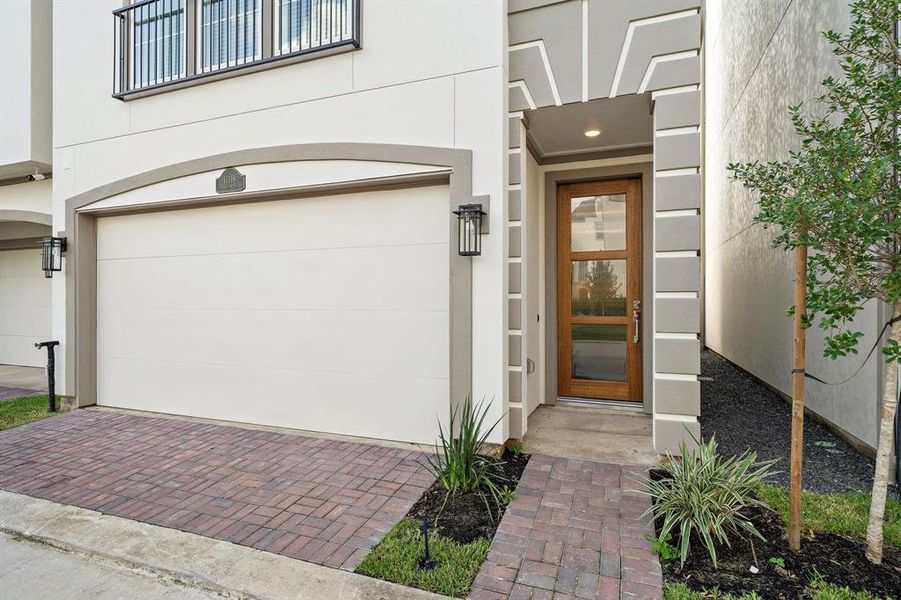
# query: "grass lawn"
19 411
396 558
844 514
817 590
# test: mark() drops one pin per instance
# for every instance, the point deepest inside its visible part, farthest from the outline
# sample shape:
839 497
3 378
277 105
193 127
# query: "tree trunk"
798 364
884 448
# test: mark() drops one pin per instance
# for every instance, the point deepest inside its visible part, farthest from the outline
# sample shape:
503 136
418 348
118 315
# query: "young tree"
839 196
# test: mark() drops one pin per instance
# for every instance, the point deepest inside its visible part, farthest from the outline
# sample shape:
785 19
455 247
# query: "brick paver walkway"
319 500
573 531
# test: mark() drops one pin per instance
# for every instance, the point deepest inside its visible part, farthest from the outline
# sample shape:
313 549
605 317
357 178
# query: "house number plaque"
230 181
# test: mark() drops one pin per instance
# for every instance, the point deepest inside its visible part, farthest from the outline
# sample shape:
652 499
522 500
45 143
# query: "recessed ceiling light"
593 133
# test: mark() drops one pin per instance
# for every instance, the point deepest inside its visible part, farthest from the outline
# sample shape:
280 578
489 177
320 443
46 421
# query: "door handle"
636 321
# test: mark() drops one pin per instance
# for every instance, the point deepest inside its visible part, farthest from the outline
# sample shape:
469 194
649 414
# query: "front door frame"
550 176
568 386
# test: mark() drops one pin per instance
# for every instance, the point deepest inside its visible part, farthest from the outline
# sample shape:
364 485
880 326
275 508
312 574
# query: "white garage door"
326 314
24 308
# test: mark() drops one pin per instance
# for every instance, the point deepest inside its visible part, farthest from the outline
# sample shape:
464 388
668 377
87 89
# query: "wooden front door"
599 290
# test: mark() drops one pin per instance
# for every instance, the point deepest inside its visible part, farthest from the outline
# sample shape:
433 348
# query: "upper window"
230 33
157 33
306 24
161 42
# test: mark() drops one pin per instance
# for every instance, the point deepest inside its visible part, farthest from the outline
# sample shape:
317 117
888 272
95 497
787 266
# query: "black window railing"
159 43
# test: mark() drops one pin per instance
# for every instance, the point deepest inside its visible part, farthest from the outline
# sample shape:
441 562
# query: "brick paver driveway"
319 500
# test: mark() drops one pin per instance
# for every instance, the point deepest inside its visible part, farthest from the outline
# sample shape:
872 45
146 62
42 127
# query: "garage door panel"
21 263
305 340
19 350
395 217
327 314
25 291
378 406
381 278
24 307
25 320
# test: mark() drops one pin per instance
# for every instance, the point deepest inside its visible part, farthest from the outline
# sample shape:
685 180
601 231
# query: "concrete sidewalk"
34 571
33 379
198 563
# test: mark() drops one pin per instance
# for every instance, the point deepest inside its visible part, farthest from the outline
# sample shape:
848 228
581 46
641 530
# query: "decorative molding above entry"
567 51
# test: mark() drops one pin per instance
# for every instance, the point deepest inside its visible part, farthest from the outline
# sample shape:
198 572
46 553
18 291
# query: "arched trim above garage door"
81 267
26 216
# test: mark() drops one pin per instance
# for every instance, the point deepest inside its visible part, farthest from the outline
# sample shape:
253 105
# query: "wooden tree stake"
797 439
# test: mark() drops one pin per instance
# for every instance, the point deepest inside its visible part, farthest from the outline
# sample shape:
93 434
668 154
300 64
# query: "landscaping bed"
461 528
464 518
825 556
745 414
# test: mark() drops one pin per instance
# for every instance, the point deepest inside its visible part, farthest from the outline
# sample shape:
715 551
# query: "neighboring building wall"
413 82
25 87
761 57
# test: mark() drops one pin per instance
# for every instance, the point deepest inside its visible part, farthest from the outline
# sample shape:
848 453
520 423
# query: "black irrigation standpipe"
426 563
51 373
898 444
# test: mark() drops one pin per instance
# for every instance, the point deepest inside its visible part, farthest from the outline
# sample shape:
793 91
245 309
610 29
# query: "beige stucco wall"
762 56
411 84
25 61
34 196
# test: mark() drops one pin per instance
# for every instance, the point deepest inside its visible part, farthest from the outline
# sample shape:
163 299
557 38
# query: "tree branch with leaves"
838 194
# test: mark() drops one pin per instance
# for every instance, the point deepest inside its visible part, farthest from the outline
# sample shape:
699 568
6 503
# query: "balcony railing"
159 43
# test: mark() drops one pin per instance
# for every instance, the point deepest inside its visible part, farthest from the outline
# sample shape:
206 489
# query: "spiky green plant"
707 495
459 463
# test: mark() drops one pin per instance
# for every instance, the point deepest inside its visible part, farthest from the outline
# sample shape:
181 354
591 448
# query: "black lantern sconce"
52 249
471 224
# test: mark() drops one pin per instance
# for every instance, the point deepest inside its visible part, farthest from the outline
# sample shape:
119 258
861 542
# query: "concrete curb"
227 569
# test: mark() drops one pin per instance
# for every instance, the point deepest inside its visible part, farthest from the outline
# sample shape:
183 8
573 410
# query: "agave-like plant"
708 495
458 462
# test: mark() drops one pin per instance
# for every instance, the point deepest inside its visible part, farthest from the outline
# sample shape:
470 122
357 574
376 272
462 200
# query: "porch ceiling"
624 122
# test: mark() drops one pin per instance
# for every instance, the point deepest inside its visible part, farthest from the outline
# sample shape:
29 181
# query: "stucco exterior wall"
34 196
413 82
761 57
25 94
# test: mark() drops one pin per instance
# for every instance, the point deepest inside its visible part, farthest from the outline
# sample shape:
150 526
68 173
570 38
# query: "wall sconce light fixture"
52 249
469 229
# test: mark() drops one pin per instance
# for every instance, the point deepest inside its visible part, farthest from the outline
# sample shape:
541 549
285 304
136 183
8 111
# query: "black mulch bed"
463 517
837 559
743 414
